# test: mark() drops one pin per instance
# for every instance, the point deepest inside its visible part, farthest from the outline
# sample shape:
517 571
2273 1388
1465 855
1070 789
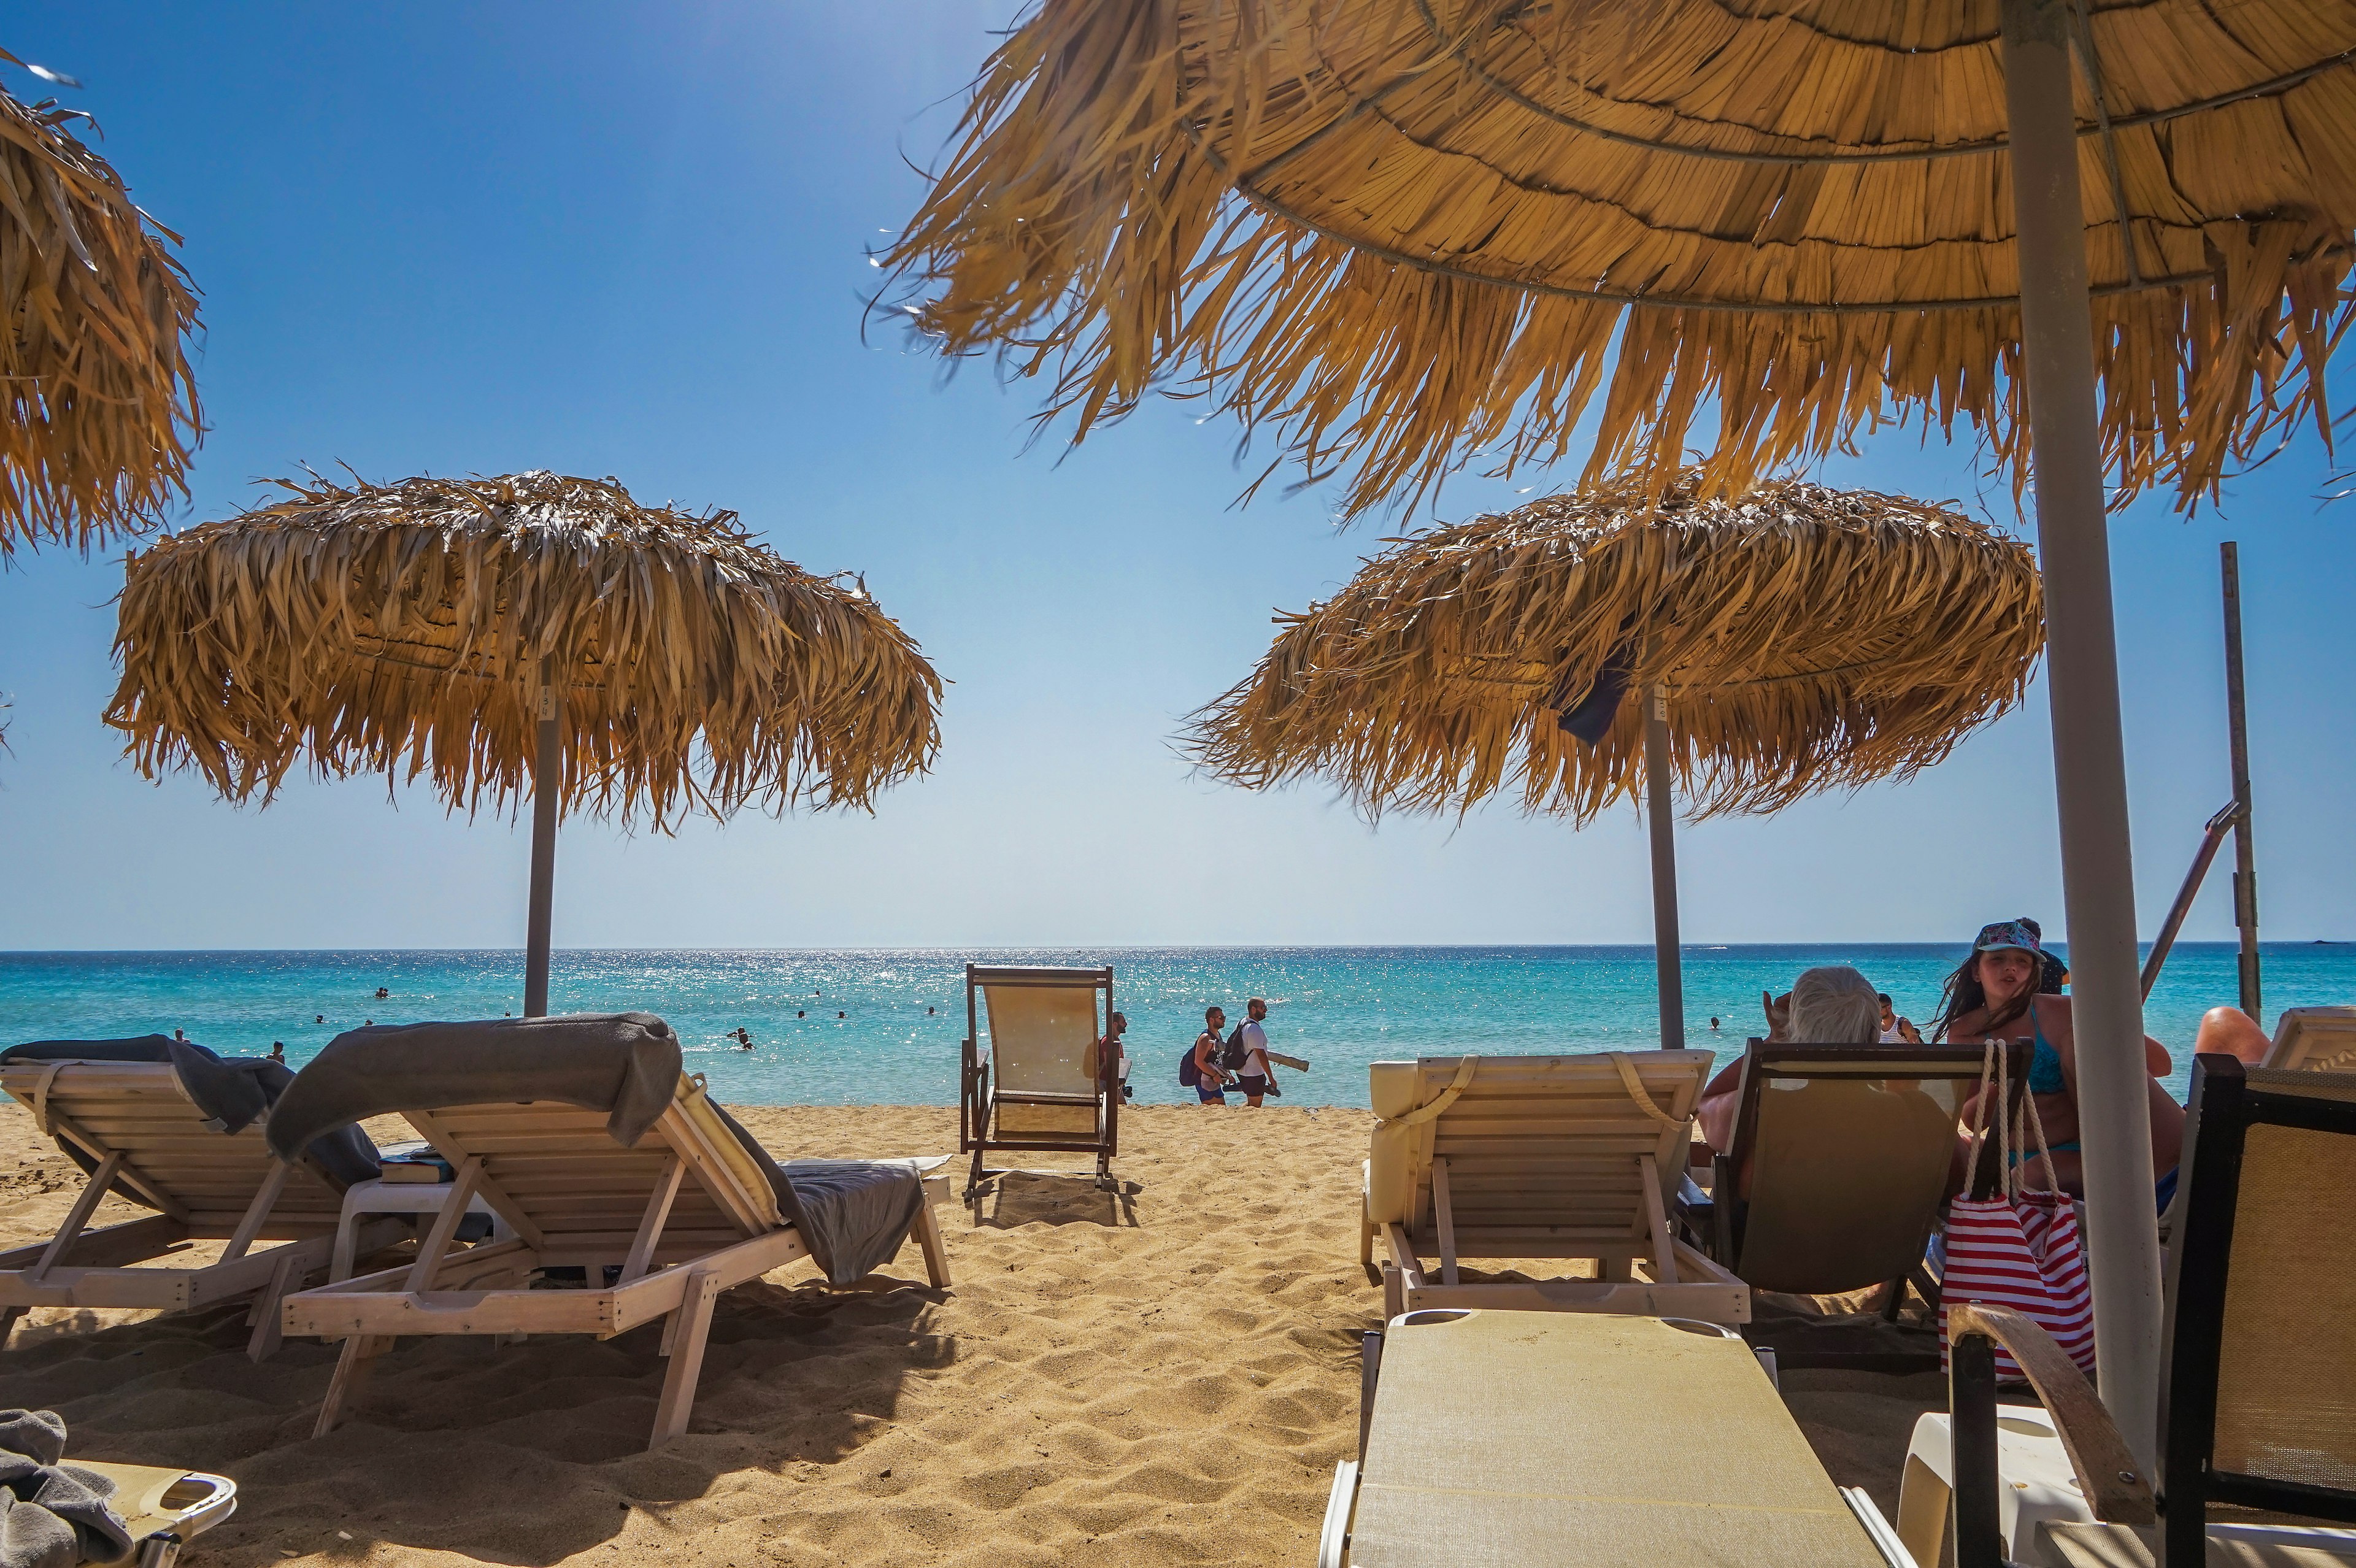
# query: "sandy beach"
1164 1376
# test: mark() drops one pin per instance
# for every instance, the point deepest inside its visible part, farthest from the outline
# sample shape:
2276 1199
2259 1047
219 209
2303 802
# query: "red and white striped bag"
2020 1248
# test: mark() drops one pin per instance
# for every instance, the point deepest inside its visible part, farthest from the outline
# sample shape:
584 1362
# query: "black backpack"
1232 1055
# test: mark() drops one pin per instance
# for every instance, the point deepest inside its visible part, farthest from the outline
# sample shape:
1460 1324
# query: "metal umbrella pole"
2083 683
547 793
2237 725
1660 817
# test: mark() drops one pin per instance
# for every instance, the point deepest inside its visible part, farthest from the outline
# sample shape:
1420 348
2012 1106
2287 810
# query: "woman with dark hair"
2000 993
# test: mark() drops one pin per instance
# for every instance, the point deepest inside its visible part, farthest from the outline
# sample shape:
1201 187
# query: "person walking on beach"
1896 1031
1211 1088
1252 1070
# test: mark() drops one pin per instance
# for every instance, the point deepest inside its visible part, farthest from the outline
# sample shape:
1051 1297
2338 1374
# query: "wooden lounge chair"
2258 1408
1498 1439
2314 1039
1539 1156
126 1114
601 1157
1839 1166
1045 1083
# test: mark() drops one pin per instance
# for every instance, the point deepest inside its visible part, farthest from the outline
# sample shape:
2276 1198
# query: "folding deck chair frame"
179 1168
1494 1150
662 1272
982 1094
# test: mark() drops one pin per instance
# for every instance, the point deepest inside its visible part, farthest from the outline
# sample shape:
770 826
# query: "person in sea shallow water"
1996 995
1213 1089
1713 1026
1252 1076
382 993
278 1051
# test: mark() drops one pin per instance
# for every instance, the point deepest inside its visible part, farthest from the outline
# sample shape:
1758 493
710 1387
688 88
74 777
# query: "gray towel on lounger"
52 1515
625 1065
231 1090
852 1214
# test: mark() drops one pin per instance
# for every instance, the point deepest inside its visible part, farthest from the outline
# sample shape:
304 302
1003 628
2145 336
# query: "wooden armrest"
2107 1469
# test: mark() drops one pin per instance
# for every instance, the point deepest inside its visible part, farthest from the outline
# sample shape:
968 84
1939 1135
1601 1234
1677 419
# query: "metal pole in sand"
1659 811
2083 684
2246 863
547 791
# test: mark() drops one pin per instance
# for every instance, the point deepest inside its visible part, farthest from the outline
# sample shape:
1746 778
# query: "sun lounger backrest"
2314 1040
2262 1298
1849 1147
555 1173
1542 1151
173 1160
1044 1028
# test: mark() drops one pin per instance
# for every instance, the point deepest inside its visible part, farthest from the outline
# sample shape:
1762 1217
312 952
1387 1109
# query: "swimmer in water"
382 993
838 1015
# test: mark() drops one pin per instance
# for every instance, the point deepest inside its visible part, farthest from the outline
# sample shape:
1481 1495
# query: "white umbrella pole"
2083 683
1660 814
547 793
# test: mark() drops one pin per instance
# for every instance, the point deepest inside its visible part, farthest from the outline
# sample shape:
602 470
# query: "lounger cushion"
2122 1546
231 1091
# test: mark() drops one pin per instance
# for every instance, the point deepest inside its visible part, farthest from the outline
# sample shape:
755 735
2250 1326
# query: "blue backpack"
1189 1075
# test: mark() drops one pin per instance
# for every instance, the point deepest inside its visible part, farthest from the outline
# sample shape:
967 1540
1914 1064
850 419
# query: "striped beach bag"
2020 1248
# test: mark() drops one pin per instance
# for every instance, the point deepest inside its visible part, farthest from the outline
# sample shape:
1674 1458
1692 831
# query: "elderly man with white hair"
1832 1005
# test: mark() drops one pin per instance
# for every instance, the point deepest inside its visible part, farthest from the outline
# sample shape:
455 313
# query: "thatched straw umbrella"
1396 233
533 632
100 404
1793 640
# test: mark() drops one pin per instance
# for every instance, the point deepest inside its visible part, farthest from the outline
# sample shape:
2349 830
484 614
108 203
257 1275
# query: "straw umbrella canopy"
1799 639
528 634
1398 233
1392 233
100 404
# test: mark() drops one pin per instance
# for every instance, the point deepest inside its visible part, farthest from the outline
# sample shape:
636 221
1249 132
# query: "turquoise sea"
902 1011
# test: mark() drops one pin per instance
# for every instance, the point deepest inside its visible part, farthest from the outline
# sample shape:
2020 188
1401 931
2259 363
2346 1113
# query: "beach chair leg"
268 1322
351 1368
929 1236
1394 1293
693 1318
973 1182
9 1315
1104 1171
1893 1300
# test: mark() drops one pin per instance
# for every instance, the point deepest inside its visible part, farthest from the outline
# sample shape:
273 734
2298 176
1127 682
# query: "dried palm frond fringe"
1400 234
100 404
1809 639
379 628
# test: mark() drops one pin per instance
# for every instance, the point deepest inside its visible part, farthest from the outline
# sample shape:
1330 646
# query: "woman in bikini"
1998 994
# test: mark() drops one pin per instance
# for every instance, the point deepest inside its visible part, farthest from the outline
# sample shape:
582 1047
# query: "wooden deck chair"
126 1114
626 1170
1531 1438
1045 1083
2258 1405
2314 1039
1539 1156
1841 1159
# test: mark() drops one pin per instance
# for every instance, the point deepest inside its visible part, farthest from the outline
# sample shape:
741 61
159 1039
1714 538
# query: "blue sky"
631 241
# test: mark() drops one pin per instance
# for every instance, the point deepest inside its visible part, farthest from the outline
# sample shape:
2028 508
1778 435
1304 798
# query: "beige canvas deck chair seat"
609 1166
1044 1084
1840 1162
1539 1156
172 1127
2258 1398
1492 1439
2314 1039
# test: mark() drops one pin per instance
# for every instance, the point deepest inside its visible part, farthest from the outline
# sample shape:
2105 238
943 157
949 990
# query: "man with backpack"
1247 1053
1200 1069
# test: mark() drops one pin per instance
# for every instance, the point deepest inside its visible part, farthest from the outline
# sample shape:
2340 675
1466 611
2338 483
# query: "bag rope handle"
1441 1101
2036 1124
